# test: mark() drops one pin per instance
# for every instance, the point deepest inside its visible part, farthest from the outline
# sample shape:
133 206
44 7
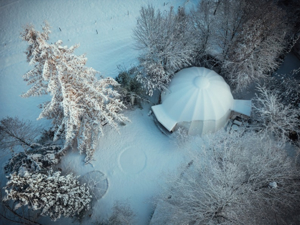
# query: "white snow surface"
135 160
79 22
242 106
135 163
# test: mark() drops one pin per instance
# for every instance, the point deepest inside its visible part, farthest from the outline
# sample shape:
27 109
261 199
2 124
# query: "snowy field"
135 161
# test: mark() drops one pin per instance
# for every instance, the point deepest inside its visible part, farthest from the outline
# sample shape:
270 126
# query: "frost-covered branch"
81 104
54 194
233 179
254 51
277 118
166 46
246 37
14 131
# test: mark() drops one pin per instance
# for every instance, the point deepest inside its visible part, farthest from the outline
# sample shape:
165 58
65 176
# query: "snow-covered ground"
133 161
103 29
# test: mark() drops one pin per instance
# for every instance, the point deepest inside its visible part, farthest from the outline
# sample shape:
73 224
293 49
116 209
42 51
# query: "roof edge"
163 118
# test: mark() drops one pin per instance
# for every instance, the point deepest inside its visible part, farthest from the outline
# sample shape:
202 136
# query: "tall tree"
166 46
233 178
254 51
80 104
273 115
245 36
14 131
54 194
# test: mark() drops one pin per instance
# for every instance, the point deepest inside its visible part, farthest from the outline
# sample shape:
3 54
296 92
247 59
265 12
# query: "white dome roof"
194 93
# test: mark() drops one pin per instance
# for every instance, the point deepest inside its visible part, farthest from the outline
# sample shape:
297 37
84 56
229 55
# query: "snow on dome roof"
201 82
194 93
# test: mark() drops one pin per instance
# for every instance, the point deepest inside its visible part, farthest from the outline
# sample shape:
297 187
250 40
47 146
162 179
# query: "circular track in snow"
132 161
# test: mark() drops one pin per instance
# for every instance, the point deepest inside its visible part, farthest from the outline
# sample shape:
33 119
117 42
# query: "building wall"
199 127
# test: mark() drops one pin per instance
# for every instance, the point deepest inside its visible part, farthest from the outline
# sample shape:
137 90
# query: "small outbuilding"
199 100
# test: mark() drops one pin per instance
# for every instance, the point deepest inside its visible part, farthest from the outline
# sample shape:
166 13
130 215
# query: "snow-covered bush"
237 178
130 89
181 136
166 46
275 117
38 158
81 104
36 155
54 194
10 216
46 136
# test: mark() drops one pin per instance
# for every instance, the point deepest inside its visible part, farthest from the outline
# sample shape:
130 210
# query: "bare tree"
254 51
166 46
275 117
245 36
14 131
237 178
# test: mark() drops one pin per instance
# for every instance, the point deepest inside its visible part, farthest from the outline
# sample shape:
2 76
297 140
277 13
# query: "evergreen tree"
80 104
54 194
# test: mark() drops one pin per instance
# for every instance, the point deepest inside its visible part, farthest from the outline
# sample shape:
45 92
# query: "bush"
131 90
38 158
54 194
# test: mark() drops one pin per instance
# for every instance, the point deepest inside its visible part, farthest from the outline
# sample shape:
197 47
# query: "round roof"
197 93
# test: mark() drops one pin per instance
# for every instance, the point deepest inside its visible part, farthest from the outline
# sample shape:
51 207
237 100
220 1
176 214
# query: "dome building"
199 100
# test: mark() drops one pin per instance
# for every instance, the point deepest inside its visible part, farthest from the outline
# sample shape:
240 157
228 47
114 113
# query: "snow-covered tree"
166 46
254 51
216 24
237 178
11 216
277 118
131 90
53 194
38 158
246 36
286 88
80 104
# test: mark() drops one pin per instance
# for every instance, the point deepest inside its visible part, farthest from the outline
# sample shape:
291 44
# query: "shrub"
131 90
